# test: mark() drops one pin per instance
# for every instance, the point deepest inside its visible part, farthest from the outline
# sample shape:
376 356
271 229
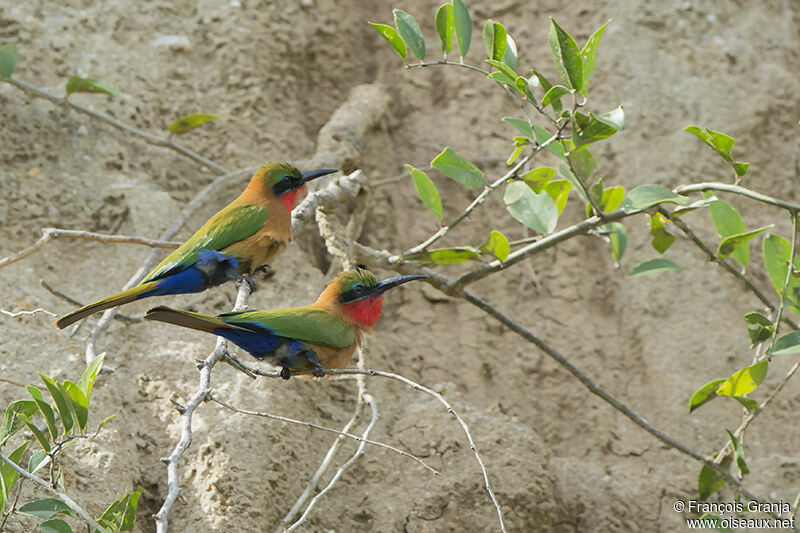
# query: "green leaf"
444 27
747 403
463 27
694 205
189 122
611 198
653 266
510 55
120 515
738 453
564 170
496 244
446 256
745 380
582 162
729 222
55 525
542 136
63 403
566 56
38 459
662 239
427 191
105 420
555 93
593 128
788 344
757 318
501 77
618 236
45 409
38 435
80 404
740 168
90 375
459 169
645 196
777 251
9 476
705 394
8 60
537 211
46 508
76 84
546 86
722 144
708 482
733 242
505 69
515 154
559 192
588 56
17 413
391 35
494 39
522 125
537 178
759 334
410 32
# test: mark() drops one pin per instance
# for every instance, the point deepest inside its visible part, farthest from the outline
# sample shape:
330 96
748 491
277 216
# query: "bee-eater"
243 236
316 337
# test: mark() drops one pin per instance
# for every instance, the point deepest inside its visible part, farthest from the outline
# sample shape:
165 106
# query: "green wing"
227 227
308 324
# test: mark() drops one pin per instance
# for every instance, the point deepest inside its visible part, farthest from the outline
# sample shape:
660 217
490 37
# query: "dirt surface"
559 458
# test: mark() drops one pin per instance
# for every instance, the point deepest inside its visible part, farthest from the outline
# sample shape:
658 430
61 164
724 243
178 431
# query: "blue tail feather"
212 268
261 343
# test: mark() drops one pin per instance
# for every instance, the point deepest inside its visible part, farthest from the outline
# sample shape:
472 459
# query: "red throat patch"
366 311
289 198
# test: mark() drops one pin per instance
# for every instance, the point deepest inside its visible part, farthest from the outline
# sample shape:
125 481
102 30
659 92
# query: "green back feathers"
351 278
227 227
308 324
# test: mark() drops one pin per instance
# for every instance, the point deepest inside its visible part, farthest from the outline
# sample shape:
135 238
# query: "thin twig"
67 298
57 492
210 397
358 453
148 137
203 390
14 314
736 189
789 272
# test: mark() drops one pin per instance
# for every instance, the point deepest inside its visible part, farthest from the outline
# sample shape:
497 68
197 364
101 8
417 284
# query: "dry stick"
358 453
736 189
14 314
57 492
148 137
67 298
187 411
211 398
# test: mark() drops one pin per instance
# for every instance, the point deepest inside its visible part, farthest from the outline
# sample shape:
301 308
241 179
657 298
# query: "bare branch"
57 492
212 398
13 314
358 453
735 189
36 92
789 271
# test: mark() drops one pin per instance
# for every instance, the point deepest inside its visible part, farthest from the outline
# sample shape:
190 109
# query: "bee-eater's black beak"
387 284
309 175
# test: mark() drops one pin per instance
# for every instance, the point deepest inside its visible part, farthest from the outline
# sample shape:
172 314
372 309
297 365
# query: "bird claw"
250 283
318 371
286 373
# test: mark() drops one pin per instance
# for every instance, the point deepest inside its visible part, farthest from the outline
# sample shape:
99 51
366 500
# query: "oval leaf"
618 236
494 39
189 122
588 55
446 256
79 403
46 508
645 196
730 244
708 482
788 344
444 27
497 245
738 453
463 27
559 192
8 60
54 525
777 251
390 34
757 318
410 32
566 56
662 239
459 169
537 211
729 222
522 125
745 380
510 55
705 394
427 191
537 178
653 266
555 93
76 84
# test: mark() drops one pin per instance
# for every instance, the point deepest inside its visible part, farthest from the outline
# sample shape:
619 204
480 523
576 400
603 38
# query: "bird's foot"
250 283
318 371
264 271
286 373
